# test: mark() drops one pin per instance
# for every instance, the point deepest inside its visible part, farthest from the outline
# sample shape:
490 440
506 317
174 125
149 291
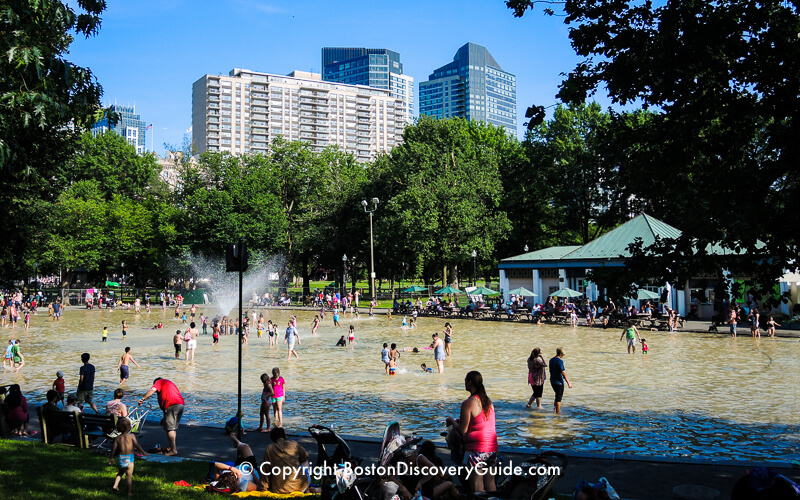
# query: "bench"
97 426
82 428
59 423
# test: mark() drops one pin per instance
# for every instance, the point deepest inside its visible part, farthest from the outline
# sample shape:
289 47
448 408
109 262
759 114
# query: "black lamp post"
344 275
371 246
474 256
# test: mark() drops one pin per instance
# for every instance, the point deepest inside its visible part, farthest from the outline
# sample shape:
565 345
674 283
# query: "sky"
149 53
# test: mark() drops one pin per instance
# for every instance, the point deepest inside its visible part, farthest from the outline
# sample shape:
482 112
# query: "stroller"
340 454
394 442
137 416
342 483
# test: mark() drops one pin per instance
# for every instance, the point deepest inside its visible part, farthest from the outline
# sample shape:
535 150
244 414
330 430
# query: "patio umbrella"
522 291
642 294
447 289
414 289
482 290
566 293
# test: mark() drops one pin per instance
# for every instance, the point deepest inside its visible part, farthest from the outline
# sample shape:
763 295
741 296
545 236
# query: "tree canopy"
721 148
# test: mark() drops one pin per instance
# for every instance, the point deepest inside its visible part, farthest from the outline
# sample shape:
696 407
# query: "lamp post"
344 275
526 248
474 256
364 204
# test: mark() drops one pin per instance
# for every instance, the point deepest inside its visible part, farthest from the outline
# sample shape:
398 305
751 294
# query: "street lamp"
371 246
474 256
344 275
526 248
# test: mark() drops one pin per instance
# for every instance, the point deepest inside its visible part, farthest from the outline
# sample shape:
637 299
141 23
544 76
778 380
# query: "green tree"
113 163
41 93
570 154
223 198
723 77
443 192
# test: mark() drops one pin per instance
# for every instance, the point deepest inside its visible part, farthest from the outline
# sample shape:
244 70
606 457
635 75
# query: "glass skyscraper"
130 126
378 68
474 87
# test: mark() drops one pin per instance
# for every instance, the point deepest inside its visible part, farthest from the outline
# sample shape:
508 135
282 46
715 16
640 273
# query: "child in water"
426 369
125 444
405 322
352 334
392 366
342 342
105 334
644 346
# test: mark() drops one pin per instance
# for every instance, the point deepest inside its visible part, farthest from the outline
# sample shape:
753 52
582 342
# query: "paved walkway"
632 477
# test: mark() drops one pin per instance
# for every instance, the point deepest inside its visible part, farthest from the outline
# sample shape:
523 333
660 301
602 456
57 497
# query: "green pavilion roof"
552 253
612 245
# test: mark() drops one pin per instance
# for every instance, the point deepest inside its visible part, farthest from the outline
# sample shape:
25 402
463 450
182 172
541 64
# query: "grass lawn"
32 470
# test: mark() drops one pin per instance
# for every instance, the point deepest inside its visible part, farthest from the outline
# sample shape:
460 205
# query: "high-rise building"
379 68
129 125
244 111
474 87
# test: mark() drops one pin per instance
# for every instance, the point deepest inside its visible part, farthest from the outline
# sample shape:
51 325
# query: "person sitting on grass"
125 444
285 455
238 476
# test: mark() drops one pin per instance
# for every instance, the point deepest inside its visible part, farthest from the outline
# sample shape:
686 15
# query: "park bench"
96 426
60 423
82 428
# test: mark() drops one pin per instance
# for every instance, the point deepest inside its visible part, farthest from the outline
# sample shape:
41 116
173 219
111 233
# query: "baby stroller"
340 454
338 481
394 442
137 416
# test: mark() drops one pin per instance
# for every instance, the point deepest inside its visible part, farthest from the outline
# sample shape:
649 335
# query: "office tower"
379 68
244 111
130 126
474 87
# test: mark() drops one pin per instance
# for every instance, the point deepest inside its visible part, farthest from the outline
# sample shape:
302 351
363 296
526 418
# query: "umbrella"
566 293
447 289
642 294
414 289
522 291
482 290
111 283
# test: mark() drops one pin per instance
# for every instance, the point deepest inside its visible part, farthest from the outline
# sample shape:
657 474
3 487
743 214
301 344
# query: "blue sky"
149 53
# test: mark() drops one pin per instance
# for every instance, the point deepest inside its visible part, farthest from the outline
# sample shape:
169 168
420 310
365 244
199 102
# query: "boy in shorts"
178 341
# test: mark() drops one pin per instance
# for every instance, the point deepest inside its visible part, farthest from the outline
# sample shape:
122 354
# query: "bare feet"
527 406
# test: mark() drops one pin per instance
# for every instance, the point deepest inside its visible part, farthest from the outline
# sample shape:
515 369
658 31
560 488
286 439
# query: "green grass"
33 470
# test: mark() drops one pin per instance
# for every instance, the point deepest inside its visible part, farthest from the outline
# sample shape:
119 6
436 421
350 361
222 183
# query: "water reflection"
693 395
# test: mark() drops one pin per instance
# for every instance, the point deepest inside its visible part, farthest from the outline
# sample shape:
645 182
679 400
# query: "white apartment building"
243 112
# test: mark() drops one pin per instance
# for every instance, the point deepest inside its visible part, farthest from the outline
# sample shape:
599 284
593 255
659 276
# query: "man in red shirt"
171 403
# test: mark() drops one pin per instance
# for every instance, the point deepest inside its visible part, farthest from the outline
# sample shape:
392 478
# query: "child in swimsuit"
125 444
105 334
644 346
392 367
352 334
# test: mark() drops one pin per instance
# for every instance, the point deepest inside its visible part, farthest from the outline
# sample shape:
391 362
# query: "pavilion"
550 269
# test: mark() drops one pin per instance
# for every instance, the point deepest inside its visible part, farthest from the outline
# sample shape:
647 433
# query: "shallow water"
693 395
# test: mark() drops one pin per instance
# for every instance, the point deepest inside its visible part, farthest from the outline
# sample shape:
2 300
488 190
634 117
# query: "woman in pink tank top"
477 428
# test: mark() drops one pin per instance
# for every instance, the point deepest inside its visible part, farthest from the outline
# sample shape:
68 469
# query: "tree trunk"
444 276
